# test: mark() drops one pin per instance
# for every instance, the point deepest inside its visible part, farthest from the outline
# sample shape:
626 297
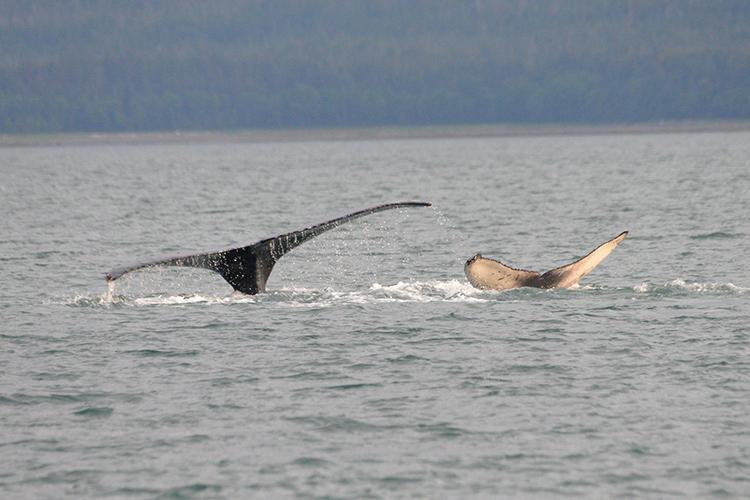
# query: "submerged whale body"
490 274
247 268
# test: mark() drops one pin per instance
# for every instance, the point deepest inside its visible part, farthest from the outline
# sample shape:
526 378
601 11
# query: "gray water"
371 368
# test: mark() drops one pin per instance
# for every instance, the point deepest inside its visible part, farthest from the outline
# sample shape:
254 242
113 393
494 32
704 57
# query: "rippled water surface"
371 368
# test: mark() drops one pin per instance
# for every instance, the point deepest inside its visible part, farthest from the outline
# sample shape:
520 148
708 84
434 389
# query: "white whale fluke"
490 274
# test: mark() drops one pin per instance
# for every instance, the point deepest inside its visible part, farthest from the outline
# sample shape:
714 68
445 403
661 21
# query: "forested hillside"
229 64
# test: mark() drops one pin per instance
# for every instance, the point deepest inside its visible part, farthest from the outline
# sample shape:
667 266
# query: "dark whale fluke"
247 268
489 274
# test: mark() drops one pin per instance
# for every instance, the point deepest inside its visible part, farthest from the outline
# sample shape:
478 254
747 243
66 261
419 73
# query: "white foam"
192 299
453 290
416 291
696 287
109 299
428 291
579 287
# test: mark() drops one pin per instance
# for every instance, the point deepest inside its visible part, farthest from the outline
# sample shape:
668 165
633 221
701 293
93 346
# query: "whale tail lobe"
570 274
490 274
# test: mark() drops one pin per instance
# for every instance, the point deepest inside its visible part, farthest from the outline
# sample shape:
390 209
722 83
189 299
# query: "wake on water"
430 291
682 287
454 291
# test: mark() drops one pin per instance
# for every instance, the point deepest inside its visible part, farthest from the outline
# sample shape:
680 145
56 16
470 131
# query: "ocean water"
371 368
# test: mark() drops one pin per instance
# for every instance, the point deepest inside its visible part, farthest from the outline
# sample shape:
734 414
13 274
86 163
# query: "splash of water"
680 285
452 290
108 297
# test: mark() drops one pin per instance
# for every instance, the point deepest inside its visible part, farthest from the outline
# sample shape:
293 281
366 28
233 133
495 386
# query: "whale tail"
247 268
490 274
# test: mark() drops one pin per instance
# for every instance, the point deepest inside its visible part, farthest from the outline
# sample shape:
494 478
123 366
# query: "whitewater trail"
407 292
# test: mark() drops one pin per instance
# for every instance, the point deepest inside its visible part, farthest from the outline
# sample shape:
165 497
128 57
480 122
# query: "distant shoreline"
361 133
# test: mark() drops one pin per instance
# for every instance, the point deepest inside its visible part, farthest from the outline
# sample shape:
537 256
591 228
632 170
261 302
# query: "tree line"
97 65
